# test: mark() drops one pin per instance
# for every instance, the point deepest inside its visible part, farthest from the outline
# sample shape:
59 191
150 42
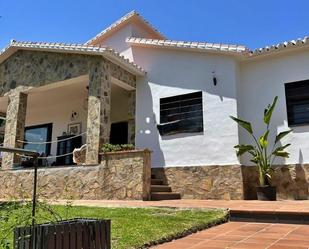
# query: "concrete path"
242 235
268 206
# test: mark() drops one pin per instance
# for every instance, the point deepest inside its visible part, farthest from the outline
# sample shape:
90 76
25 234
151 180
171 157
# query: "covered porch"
48 96
56 120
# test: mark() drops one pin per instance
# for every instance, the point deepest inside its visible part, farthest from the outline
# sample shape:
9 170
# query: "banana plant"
260 152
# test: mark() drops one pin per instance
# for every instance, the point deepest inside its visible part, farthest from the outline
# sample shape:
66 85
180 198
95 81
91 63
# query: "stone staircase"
159 191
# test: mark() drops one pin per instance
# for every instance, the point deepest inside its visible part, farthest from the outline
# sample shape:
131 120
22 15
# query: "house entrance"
119 133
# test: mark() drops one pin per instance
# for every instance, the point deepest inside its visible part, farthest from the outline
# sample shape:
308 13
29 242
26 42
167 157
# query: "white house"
185 93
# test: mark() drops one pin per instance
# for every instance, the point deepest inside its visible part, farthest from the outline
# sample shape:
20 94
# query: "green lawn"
131 227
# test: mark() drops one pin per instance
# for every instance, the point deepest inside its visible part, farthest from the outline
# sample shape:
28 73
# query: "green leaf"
243 148
281 153
269 111
281 135
281 148
244 124
263 140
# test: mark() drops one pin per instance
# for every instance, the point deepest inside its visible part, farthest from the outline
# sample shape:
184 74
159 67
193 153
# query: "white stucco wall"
261 80
119 104
171 73
55 106
117 40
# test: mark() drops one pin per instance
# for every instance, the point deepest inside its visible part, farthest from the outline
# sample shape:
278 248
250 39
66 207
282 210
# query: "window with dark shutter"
181 113
297 102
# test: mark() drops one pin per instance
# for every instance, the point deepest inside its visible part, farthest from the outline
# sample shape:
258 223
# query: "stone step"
158 196
156 181
160 188
289 217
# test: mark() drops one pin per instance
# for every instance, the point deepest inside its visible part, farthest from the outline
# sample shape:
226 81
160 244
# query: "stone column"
15 126
131 114
98 120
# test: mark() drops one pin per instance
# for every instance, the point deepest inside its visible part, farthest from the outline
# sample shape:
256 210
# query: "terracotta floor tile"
287 242
248 246
292 236
213 243
171 245
187 242
301 230
257 236
286 247
203 236
279 230
230 237
263 241
240 233
268 235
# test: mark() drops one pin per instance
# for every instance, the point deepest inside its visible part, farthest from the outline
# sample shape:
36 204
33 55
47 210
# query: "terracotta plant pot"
266 193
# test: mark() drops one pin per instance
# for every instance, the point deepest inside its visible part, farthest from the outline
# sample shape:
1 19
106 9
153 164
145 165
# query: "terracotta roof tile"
107 52
122 20
190 45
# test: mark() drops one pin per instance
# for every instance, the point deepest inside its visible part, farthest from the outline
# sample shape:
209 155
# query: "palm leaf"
263 139
269 111
281 135
281 153
244 124
243 148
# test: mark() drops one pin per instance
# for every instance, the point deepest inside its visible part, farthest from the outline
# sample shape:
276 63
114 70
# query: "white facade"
245 85
246 82
262 79
171 73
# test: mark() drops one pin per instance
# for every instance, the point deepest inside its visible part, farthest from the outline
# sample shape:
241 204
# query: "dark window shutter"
181 113
297 102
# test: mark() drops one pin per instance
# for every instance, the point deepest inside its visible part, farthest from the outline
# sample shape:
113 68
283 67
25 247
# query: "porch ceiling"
49 94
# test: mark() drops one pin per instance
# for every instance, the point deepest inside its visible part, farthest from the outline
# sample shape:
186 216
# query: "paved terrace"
243 235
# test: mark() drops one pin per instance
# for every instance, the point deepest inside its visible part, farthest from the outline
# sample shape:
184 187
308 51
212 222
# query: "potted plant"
261 154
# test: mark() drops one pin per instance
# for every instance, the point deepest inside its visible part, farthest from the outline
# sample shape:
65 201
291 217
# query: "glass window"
39 133
297 102
181 113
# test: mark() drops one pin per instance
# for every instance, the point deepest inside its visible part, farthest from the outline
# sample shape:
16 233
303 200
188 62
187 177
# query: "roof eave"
238 54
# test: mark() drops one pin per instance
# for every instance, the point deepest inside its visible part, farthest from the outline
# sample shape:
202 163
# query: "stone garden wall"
121 175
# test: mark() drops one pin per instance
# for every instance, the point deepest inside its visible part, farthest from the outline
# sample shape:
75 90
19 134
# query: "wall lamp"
214 78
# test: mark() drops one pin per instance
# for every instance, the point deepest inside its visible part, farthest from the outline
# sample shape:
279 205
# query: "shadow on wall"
181 135
169 74
146 124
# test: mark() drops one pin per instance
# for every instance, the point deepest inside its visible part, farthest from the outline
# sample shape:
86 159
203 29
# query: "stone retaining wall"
121 175
204 182
292 181
234 182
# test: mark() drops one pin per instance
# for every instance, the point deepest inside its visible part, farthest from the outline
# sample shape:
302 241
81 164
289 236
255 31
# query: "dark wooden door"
65 147
119 133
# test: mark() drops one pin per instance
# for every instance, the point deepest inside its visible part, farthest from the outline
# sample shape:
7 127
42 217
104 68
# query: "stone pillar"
98 120
131 114
14 126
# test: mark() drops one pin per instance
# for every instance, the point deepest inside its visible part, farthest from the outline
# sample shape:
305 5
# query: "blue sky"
252 23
